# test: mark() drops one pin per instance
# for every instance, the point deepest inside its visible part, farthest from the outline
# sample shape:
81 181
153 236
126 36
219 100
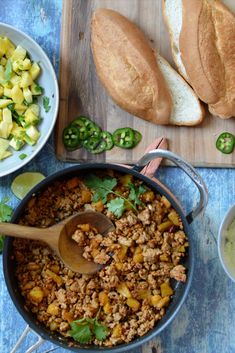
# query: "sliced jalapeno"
124 137
137 137
94 145
71 138
86 127
225 142
107 137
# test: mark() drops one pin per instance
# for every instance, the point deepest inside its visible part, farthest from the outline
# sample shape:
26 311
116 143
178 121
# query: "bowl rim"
56 101
137 342
227 219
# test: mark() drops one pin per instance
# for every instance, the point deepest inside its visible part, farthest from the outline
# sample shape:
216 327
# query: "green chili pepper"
108 138
86 127
94 145
124 137
71 138
225 142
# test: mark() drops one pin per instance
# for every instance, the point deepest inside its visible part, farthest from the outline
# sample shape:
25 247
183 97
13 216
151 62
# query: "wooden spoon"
58 237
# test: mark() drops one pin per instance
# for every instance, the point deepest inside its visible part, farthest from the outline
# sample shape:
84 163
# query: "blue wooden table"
206 322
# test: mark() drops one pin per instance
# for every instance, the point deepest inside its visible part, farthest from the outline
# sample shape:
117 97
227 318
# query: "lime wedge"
24 182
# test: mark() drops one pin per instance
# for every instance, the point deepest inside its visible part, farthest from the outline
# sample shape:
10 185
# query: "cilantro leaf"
22 156
100 331
135 192
101 187
80 332
117 206
8 71
46 104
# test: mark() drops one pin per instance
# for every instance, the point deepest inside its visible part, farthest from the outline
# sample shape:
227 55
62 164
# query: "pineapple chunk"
36 89
166 289
1 91
15 79
26 79
4 144
163 302
27 95
5 155
103 298
53 309
133 304
55 277
165 202
107 308
6 123
117 331
124 290
34 70
174 218
18 54
4 102
7 92
3 60
9 47
2 47
155 299
21 65
144 294
17 94
36 295
164 226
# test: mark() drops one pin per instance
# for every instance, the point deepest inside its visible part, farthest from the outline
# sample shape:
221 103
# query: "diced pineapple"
6 123
98 206
165 202
26 79
55 277
17 131
9 46
17 94
144 293
20 108
164 257
53 309
7 92
36 295
123 290
126 179
107 308
119 266
103 298
3 61
117 331
86 196
4 102
18 54
34 70
5 155
4 144
122 252
138 258
16 143
0 114
174 218
2 47
164 226
36 89
27 95
134 304
1 91
15 79
163 302
154 300
166 289
21 65
148 196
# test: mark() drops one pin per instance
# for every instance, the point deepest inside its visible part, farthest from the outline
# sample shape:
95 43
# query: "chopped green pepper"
107 137
124 137
71 138
86 127
225 142
94 145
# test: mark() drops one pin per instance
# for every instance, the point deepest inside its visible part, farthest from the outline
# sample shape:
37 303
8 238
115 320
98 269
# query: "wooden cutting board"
82 93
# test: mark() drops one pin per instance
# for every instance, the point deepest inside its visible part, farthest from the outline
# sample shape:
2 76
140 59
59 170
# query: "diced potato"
103 298
107 308
144 293
154 300
17 94
165 202
164 258
148 196
123 290
27 95
36 295
34 71
54 276
26 79
86 196
134 304
53 309
164 226
98 206
122 252
18 54
174 218
166 289
117 331
163 302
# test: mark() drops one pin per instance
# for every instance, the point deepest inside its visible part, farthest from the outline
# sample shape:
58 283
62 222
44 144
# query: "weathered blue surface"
206 322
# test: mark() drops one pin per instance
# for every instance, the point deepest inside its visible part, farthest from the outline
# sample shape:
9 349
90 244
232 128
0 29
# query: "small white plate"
228 218
48 81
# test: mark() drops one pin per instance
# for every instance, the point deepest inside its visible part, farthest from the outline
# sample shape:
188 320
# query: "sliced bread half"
172 11
187 109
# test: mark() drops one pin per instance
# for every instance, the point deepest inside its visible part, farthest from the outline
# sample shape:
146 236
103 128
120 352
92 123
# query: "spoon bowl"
59 238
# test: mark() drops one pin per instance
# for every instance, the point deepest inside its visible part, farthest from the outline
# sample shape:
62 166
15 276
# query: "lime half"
24 182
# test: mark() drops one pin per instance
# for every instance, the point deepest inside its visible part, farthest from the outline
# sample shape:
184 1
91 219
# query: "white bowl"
228 218
48 81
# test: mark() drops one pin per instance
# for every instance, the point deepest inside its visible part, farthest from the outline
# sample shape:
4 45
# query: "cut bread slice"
172 11
187 109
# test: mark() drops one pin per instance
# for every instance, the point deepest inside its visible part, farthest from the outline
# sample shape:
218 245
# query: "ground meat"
138 258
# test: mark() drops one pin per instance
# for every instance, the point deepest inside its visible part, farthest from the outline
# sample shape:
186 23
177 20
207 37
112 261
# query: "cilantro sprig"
103 187
46 104
85 329
5 216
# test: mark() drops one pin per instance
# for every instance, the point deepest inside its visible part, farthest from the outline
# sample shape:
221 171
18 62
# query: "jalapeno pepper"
107 137
225 142
86 127
124 137
94 145
71 138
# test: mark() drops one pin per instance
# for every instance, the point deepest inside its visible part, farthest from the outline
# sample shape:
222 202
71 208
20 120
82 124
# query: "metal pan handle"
187 168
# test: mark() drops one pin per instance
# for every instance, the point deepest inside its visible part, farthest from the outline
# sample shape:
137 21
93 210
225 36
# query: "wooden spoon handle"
19 231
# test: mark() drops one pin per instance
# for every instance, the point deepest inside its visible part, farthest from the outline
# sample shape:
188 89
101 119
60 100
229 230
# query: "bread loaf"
127 67
203 44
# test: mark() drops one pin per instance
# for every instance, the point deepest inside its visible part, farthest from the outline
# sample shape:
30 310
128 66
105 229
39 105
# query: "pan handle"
187 168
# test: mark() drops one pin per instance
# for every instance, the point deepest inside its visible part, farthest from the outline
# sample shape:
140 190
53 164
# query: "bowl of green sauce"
226 243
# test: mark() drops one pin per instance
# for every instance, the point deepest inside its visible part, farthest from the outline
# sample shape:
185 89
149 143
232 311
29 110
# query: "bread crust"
126 65
207 45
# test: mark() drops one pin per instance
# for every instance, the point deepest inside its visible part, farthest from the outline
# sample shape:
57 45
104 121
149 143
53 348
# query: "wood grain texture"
82 93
